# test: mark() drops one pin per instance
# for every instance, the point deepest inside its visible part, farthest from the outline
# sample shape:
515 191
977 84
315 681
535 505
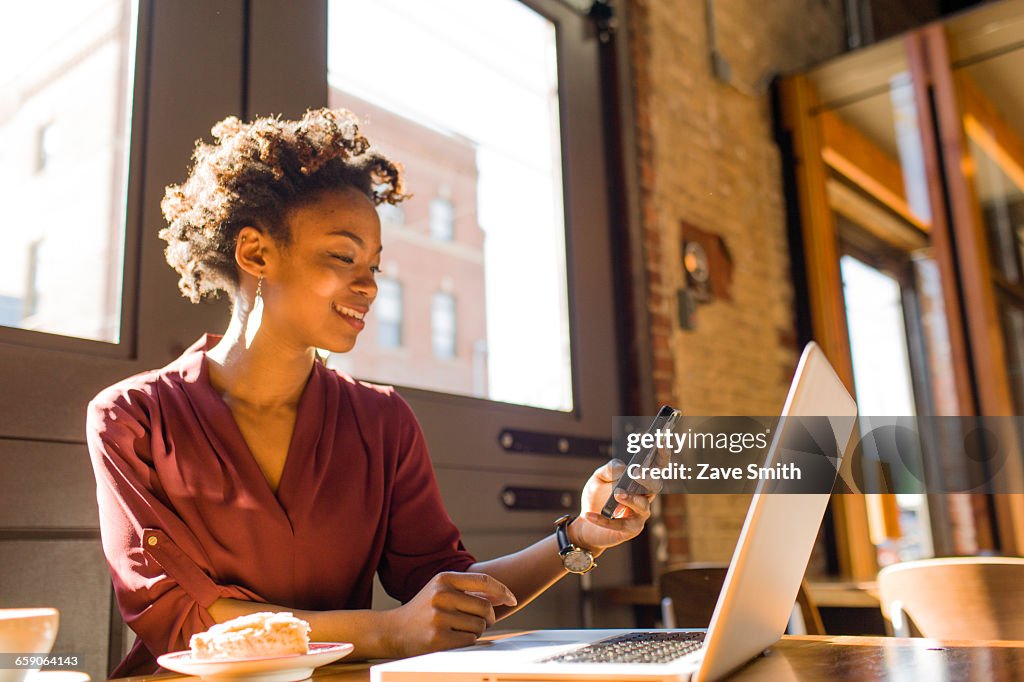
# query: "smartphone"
666 420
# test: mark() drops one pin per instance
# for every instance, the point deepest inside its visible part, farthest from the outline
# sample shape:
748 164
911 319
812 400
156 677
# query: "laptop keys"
636 647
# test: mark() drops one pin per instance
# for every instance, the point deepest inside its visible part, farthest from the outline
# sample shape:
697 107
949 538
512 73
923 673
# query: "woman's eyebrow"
353 236
344 232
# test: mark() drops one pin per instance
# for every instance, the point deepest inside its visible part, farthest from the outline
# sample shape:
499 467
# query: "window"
442 220
391 215
879 351
45 147
388 313
32 281
66 77
475 119
442 324
922 157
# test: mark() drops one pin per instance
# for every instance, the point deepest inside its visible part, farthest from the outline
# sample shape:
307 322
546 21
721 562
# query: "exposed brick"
706 156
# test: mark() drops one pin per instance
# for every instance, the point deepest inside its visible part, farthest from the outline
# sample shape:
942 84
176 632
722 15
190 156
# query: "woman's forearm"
367 630
527 572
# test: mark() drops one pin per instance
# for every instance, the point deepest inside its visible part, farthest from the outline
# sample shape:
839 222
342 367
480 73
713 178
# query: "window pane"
388 311
881 374
65 69
442 220
474 120
442 323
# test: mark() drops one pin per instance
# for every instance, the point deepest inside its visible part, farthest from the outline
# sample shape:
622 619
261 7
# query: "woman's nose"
365 285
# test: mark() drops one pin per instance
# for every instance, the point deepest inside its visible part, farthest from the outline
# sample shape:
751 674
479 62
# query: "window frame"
583 166
137 111
958 239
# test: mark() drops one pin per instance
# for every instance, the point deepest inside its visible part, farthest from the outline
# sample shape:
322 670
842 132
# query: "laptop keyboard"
636 647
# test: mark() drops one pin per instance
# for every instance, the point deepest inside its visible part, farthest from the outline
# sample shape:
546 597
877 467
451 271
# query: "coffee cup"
25 632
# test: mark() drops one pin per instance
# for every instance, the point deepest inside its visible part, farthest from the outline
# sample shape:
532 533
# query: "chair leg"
668 614
898 618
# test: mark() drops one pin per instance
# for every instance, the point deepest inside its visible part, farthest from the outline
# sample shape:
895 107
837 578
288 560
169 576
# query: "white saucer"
289 668
57 676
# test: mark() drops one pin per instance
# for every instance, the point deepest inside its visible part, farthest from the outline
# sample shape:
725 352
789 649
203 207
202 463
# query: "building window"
442 324
44 147
442 220
391 214
32 278
388 312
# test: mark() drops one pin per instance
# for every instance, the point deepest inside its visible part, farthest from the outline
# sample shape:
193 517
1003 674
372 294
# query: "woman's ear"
251 247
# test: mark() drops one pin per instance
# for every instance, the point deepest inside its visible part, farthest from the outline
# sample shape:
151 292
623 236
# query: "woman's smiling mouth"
354 316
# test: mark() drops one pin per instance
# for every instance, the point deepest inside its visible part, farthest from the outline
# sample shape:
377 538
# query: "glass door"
882 284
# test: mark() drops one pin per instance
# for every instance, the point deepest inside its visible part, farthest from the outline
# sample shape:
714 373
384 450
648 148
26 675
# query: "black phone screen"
666 419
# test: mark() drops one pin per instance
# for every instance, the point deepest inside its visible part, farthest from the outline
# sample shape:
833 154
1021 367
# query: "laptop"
753 607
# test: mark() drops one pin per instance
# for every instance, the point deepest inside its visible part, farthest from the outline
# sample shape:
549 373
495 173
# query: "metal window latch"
537 443
602 13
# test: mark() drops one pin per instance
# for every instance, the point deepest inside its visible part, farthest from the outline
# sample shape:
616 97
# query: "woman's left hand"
594 532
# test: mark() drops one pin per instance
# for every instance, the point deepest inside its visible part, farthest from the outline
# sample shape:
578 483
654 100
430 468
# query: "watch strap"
562 533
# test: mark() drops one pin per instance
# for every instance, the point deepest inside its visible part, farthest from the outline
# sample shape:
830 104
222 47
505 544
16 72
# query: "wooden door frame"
981 319
856 554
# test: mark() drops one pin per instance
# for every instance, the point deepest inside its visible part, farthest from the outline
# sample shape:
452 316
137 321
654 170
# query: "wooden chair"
955 598
689 593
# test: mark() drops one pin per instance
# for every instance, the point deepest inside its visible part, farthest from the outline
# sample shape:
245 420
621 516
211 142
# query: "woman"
246 476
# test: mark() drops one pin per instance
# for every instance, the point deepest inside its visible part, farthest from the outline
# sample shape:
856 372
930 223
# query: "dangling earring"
252 322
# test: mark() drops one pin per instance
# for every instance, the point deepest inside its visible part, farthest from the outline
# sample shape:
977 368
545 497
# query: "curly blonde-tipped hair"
253 174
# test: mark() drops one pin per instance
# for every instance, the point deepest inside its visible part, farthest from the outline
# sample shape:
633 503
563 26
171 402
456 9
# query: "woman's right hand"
452 610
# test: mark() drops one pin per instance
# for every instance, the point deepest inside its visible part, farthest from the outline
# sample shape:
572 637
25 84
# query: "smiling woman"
246 476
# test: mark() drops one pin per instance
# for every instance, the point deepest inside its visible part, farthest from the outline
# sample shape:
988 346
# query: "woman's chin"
336 345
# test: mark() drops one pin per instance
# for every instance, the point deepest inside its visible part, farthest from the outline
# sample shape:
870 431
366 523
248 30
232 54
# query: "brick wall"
707 156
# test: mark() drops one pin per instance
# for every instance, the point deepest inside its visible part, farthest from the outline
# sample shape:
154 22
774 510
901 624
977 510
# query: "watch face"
578 561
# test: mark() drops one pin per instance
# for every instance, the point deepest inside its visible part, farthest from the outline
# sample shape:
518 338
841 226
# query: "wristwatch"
575 559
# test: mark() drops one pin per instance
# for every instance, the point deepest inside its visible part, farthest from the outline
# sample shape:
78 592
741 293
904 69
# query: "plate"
288 668
57 676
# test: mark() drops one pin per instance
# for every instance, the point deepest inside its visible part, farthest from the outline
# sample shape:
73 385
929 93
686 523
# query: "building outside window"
442 220
44 146
442 323
388 313
32 280
391 214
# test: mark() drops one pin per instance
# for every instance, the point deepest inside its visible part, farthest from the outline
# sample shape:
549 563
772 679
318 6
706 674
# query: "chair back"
693 592
689 593
955 598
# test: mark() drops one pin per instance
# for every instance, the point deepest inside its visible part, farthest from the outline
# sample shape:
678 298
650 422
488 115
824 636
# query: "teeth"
348 311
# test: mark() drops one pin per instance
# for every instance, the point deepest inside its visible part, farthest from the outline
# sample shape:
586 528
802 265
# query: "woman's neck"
267 373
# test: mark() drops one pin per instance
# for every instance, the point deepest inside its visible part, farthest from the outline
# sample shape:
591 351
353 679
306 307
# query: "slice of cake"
257 635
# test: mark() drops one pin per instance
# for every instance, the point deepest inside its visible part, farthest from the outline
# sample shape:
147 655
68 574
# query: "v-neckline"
299 440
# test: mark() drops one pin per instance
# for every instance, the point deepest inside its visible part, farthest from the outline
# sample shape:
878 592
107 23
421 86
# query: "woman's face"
322 283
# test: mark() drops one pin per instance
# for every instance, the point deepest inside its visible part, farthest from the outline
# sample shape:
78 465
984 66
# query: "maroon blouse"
187 516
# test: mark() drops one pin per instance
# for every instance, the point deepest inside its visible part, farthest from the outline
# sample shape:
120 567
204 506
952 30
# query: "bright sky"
485 70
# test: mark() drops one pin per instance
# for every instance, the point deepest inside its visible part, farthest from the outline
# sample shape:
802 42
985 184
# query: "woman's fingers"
468 604
635 507
611 471
641 504
480 584
464 622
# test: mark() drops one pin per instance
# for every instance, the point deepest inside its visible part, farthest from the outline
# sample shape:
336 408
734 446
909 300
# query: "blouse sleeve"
161 591
421 539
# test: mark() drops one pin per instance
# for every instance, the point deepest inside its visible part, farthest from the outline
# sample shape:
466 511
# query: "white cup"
26 631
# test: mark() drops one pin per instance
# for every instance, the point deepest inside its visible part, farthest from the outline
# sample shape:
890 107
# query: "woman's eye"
343 259
375 269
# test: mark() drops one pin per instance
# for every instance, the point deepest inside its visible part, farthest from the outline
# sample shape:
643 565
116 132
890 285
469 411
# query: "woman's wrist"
369 631
574 532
